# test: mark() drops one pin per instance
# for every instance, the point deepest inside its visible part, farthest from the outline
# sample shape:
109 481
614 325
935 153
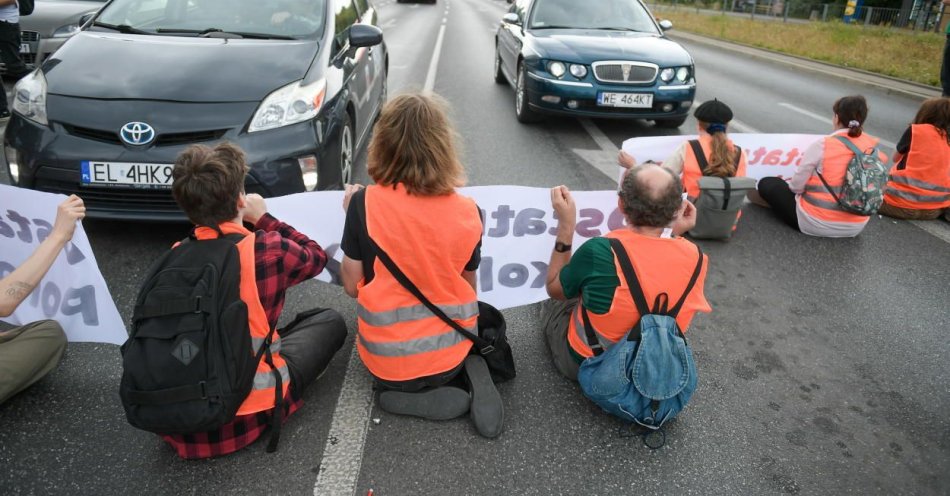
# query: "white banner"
766 154
73 292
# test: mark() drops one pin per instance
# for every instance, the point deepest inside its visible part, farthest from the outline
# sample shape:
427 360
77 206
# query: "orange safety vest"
692 171
924 182
662 266
817 201
263 391
431 239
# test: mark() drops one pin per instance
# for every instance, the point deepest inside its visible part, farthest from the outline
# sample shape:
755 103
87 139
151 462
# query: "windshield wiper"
122 28
610 28
553 27
203 32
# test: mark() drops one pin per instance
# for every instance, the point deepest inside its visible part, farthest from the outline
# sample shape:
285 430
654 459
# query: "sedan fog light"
578 71
557 69
682 74
308 171
666 75
551 99
572 104
12 163
667 107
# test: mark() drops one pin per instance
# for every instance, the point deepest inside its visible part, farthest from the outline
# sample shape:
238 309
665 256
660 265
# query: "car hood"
183 69
589 45
47 16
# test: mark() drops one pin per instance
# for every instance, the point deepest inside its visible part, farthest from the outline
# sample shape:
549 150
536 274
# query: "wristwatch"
561 247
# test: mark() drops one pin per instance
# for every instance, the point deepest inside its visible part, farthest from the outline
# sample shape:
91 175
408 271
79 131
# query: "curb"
889 84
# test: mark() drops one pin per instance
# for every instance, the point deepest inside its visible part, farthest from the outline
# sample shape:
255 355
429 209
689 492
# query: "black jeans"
10 50
945 68
450 378
308 343
777 194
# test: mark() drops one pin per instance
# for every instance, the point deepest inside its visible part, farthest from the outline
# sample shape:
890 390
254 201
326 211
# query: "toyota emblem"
137 133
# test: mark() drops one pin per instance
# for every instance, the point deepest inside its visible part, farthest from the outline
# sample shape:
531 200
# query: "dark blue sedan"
596 58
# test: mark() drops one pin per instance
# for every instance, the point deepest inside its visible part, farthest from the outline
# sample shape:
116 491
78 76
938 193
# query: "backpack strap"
854 148
592 340
636 291
674 312
277 418
700 155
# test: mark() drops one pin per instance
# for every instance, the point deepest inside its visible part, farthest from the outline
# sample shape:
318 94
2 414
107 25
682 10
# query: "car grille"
166 139
613 72
152 200
29 36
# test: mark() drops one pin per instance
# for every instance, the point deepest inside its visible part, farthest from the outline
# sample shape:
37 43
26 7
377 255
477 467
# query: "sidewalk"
889 84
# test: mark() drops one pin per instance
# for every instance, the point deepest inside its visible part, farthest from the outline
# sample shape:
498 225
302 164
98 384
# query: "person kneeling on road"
209 187
656 215
432 235
30 352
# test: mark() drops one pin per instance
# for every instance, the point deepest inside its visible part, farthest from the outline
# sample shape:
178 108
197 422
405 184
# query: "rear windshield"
613 15
304 19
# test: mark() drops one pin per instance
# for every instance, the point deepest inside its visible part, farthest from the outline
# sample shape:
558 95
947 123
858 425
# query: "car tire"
499 74
347 151
669 123
522 106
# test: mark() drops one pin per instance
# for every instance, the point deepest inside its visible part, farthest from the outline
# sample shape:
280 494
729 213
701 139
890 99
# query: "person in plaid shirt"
209 188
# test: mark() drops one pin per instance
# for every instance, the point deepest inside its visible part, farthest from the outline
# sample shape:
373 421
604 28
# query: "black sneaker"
487 412
441 403
4 114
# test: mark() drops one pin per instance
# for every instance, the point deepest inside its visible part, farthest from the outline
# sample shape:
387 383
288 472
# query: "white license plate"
625 100
126 174
25 48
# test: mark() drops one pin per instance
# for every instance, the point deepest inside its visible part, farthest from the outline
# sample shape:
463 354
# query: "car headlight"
29 98
666 75
578 71
66 31
291 104
557 69
682 74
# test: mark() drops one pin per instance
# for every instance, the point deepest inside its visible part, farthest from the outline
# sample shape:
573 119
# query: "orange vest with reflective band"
924 182
431 239
663 266
817 201
263 391
692 171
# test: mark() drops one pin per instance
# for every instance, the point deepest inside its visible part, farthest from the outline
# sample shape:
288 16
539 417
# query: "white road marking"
826 120
390 23
343 451
938 228
434 63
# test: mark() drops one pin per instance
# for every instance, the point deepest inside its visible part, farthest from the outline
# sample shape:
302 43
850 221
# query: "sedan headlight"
29 98
578 71
557 69
66 31
682 74
291 104
666 75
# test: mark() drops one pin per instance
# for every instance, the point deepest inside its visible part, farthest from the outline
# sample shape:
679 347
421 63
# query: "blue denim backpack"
648 376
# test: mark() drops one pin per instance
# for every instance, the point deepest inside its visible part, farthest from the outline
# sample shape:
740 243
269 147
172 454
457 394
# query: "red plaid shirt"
283 257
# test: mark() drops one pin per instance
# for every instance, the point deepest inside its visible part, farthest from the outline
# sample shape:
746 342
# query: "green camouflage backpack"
862 191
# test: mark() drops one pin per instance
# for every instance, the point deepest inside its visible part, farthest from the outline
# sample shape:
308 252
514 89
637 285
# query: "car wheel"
669 123
499 74
522 108
346 151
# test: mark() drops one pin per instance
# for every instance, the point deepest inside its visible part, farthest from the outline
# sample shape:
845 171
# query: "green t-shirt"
592 268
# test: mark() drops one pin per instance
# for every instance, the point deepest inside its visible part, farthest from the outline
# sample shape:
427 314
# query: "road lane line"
434 63
343 451
938 228
826 120
599 137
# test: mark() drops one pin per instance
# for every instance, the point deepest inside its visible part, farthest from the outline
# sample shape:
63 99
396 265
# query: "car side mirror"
666 25
364 35
86 18
511 18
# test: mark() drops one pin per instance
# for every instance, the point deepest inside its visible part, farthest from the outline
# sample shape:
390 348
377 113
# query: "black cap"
713 112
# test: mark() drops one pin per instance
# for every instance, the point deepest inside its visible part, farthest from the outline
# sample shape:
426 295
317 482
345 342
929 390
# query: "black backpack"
25 6
189 363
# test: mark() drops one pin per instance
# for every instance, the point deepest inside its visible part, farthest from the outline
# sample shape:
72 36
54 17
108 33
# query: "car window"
363 6
619 15
520 7
345 16
278 18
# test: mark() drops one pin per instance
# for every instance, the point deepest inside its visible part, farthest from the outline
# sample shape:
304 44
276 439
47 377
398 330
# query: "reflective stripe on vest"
415 346
266 380
915 197
910 181
417 312
256 344
817 201
924 182
581 331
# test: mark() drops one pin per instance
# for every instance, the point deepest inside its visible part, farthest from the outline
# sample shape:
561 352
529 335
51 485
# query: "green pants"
27 354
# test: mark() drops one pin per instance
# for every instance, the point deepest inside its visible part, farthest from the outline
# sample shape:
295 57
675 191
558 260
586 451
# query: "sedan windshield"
281 19
613 15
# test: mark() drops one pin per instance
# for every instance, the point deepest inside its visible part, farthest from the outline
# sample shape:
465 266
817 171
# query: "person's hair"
208 182
650 207
852 112
936 112
414 144
722 157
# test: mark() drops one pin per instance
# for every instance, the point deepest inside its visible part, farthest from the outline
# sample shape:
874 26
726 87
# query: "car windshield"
282 19
614 15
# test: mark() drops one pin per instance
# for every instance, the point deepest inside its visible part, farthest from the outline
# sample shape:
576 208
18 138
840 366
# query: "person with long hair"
806 203
919 187
432 234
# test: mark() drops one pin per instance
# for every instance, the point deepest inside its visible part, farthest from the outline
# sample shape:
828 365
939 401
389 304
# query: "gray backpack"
720 200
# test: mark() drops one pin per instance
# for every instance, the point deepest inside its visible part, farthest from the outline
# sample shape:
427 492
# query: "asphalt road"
822 368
